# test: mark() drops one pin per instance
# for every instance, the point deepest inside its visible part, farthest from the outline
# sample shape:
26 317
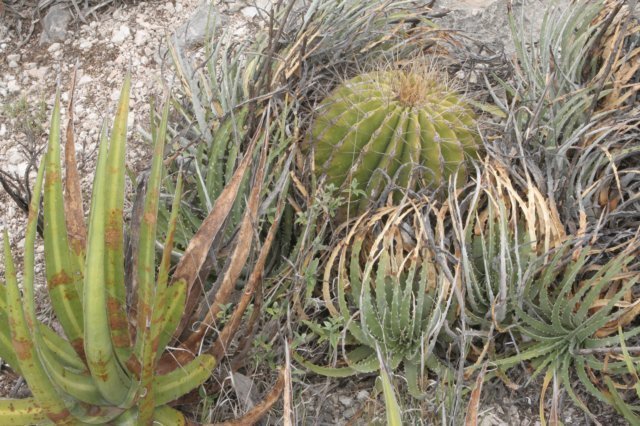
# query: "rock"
3 129
85 44
13 86
193 32
55 23
84 80
13 64
119 35
16 161
249 12
362 395
350 412
13 58
54 47
38 73
141 37
345 400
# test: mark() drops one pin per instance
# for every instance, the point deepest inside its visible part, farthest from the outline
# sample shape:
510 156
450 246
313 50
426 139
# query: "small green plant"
381 125
391 297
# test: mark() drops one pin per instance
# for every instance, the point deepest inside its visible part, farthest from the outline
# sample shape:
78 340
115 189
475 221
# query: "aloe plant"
100 371
113 363
387 123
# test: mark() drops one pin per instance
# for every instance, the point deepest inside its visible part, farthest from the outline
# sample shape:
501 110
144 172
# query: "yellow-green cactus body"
381 125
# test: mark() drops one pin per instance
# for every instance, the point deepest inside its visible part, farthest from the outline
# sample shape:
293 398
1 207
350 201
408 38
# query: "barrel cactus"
384 124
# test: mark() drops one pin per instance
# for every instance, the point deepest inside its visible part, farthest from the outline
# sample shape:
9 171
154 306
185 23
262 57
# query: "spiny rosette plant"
392 294
503 230
577 314
112 364
381 126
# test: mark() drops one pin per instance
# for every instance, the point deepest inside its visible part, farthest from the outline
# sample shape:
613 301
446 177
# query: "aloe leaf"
19 412
172 301
100 352
21 317
61 278
167 416
340 372
114 228
183 380
147 289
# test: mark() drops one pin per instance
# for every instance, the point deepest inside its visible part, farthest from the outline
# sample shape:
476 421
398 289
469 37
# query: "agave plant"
503 231
387 123
569 311
112 364
391 296
572 108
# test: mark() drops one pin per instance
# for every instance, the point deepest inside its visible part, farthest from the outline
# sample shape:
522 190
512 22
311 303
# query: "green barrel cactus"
383 125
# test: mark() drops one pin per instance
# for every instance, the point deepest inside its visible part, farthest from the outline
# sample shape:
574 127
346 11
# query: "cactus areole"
404 126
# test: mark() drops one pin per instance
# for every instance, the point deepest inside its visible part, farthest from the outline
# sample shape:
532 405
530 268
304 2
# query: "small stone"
38 73
350 412
3 129
193 32
55 23
249 12
13 58
141 37
345 400
54 47
84 80
121 34
13 64
131 119
29 65
13 86
363 395
85 45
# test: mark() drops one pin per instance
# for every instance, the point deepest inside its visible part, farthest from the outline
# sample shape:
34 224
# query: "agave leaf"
394 412
621 406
